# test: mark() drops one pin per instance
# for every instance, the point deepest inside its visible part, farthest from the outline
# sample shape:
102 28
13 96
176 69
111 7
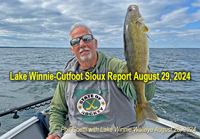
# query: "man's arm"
116 66
58 110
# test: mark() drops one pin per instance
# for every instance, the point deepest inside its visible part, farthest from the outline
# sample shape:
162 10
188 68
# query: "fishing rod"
25 107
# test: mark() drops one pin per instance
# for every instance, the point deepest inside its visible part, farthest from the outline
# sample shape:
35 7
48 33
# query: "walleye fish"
136 52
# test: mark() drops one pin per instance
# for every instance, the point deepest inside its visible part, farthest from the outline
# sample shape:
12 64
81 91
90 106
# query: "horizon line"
97 48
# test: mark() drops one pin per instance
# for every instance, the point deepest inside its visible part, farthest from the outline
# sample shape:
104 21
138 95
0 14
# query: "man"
93 104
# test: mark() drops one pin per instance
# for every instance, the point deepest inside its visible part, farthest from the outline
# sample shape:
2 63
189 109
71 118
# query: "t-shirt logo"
91 104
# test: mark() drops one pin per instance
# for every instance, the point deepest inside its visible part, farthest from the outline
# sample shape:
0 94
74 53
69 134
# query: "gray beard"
89 58
88 61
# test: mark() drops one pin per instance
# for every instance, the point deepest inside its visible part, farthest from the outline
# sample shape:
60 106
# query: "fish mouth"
133 8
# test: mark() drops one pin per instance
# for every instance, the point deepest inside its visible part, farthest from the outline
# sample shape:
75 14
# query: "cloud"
176 19
42 22
192 34
196 3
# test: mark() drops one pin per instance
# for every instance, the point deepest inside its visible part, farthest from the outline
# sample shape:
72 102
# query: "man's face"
84 51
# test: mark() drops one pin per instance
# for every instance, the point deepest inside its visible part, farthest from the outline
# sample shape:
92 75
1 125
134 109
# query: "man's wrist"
58 133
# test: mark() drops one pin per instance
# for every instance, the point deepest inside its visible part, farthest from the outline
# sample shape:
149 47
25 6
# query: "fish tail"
143 112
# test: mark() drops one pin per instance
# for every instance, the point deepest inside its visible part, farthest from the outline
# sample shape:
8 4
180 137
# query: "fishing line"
166 62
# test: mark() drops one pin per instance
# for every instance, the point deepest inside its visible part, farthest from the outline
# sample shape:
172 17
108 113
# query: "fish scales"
137 56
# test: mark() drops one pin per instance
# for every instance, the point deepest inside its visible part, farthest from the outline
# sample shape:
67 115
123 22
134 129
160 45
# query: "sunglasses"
85 38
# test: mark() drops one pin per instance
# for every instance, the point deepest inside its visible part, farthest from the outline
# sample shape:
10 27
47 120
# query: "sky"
46 23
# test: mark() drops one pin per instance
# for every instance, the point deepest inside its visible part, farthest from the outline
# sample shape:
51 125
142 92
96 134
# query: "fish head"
133 14
134 19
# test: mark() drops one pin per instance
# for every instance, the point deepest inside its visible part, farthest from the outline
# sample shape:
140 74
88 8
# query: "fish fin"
124 42
150 81
149 72
141 19
124 45
143 112
145 29
150 38
125 70
139 24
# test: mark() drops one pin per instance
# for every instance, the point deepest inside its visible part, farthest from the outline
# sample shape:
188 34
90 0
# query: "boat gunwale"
16 130
174 125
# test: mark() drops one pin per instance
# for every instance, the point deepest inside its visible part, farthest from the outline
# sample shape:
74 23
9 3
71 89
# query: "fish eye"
129 9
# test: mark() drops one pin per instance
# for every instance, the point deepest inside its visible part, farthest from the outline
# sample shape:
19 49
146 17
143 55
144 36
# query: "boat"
161 129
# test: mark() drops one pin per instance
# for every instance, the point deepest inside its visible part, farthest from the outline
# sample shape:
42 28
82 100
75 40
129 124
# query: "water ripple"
177 101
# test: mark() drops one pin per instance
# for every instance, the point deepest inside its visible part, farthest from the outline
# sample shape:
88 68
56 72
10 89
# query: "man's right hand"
53 136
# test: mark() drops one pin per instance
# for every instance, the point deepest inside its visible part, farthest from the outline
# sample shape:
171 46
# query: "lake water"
177 101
